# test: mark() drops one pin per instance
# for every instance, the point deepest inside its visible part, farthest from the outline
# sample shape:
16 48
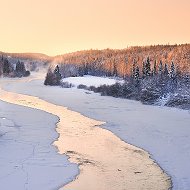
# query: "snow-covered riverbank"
89 80
162 131
27 158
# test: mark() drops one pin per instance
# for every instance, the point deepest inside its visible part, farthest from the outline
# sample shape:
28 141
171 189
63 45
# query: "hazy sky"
60 26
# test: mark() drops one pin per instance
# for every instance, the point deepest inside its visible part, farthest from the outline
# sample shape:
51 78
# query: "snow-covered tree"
133 69
137 73
155 69
20 67
172 71
166 70
53 78
148 69
160 71
7 67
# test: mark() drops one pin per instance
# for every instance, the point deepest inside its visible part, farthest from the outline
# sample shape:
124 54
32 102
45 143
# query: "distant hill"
32 61
28 56
110 61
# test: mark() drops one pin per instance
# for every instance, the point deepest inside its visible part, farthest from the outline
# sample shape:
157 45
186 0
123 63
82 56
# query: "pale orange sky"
61 26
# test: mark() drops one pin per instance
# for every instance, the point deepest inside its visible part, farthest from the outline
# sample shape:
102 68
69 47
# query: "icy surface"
90 80
162 131
28 160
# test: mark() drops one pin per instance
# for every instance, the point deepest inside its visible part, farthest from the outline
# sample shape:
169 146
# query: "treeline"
119 63
7 69
160 85
154 74
109 62
32 61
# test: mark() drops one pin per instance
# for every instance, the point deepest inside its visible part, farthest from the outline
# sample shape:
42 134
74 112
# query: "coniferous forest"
113 62
153 74
8 69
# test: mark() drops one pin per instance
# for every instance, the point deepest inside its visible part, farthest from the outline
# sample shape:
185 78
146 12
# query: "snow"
90 80
28 160
163 100
162 131
85 144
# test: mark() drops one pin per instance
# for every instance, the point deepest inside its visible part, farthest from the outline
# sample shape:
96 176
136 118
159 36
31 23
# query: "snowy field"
28 160
90 80
162 131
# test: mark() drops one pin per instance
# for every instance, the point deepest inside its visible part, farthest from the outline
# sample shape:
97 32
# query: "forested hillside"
119 62
153 74
28 56
109 62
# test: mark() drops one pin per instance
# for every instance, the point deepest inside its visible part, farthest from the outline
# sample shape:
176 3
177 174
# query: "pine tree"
7 69
1 65
133 69
155 68
147 67
49 80
166 69
137 75
172 71
160 69
114 68
56 70
57 74
187 80
20 68
143 70
53 78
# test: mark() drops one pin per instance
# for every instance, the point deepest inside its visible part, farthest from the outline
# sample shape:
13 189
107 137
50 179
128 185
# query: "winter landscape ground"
163 132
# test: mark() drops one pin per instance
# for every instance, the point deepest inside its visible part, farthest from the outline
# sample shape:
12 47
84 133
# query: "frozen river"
164 132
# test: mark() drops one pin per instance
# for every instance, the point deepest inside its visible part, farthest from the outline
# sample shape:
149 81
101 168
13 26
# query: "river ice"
28 160
162 131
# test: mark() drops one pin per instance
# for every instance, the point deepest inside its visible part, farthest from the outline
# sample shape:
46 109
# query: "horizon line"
128 47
